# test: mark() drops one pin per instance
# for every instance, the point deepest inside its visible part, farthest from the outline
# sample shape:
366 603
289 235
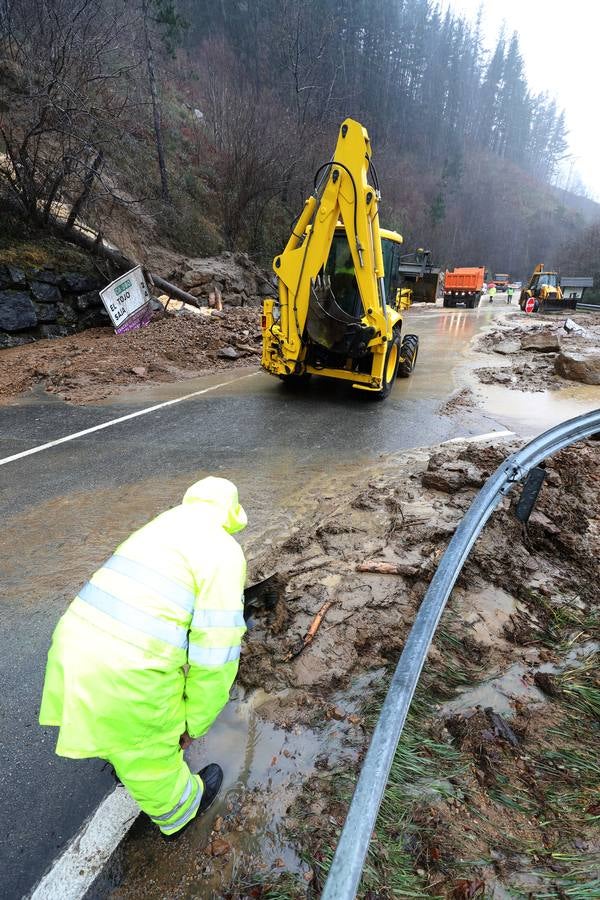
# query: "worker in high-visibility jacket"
143 659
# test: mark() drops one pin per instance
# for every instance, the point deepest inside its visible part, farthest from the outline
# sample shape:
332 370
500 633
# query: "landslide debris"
494 781
97 363
401 521
543 352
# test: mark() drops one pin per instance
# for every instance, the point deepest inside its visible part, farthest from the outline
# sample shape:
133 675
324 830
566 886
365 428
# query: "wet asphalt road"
65 509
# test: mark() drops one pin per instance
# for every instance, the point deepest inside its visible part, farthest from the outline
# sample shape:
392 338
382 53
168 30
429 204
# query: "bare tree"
64 72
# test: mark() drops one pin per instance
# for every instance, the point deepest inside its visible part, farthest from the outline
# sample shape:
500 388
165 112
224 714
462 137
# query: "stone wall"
44 304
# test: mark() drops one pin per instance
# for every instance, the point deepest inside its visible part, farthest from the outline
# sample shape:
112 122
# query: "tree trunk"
88 182
164 184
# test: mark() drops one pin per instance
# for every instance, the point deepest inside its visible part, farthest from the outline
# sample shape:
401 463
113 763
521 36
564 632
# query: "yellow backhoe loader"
545 290
339 310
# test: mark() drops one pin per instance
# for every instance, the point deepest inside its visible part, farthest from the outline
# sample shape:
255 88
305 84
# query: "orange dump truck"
463 286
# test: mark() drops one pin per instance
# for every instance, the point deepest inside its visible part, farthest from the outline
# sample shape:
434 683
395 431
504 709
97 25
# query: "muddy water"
516 684
264 769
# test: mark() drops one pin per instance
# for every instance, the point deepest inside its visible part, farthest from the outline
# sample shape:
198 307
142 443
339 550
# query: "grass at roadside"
464 808
27 247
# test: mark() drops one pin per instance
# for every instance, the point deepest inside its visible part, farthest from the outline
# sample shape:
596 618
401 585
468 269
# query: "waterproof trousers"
159 780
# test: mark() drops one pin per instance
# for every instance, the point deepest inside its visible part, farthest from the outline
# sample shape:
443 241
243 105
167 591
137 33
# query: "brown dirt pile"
540 354
97 364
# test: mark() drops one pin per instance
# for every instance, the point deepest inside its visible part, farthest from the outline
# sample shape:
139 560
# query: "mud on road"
97 364
495 784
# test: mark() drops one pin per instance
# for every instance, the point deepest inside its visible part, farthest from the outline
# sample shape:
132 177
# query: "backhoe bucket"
329 326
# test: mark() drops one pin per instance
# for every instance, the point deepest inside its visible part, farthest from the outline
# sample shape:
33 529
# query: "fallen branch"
379 567
310 634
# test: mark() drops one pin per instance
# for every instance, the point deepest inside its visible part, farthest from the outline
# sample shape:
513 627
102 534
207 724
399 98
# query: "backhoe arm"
343 194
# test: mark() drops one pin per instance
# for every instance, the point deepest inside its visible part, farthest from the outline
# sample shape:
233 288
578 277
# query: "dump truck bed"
470 279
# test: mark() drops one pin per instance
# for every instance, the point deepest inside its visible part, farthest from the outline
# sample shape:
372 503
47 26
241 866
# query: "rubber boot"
212 779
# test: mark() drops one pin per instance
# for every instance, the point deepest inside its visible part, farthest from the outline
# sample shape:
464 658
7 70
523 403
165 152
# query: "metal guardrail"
346 869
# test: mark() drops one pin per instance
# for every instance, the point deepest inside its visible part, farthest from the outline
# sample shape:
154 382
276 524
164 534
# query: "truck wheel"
390 369
447 302
408 355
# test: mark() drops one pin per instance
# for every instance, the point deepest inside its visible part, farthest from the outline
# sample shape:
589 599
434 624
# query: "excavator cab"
337 313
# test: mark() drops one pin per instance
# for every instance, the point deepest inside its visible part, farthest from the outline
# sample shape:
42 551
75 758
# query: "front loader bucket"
553 305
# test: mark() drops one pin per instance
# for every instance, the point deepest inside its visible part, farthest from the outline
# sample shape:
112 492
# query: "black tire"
409 352
295 382
449 302
470 304
390 369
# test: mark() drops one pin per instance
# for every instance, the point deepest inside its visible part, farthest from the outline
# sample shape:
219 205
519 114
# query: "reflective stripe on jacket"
171 595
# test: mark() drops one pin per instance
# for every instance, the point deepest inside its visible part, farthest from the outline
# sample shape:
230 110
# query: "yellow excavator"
545 290
339 310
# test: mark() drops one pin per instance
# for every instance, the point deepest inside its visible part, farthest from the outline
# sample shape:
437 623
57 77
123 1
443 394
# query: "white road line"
76 869
479 437
109 424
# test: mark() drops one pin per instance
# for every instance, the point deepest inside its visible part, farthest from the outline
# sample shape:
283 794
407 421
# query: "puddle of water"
533 412
264 769
499 693
516 683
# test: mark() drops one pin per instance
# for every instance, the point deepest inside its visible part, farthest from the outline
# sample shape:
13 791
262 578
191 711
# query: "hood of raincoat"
220 499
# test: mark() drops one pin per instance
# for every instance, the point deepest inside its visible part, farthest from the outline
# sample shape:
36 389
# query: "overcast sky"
559 43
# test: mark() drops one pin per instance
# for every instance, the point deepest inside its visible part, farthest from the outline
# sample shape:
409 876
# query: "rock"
17 311
194 279
75 283
88 301
218 847
543 342
506 347
46 312
5 279
142 371
581 364
54 331
227 353
45 293
14 340
45 275
572 327
66 314
95 318
233 300
451 478
267 290
503 377
17 276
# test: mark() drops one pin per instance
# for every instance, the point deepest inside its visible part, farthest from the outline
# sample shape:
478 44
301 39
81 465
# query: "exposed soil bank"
495 783
97 364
